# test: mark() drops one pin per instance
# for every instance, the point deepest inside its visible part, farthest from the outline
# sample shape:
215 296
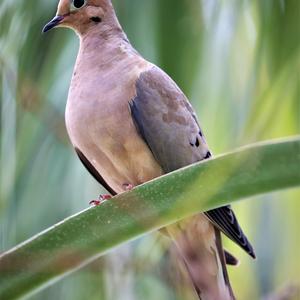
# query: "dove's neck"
104 43
99 41
101 54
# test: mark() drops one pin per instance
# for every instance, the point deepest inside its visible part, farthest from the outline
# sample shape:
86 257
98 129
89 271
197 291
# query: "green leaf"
82 238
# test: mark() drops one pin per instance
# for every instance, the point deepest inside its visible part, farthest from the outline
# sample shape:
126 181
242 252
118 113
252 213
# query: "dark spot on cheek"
208 155
96 19
200 133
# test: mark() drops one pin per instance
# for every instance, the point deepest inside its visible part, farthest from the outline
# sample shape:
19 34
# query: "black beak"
54 22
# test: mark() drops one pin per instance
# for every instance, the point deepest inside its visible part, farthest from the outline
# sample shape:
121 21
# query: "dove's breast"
100 125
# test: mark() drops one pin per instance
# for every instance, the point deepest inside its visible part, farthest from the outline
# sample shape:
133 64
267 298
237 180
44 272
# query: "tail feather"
199 243
230 259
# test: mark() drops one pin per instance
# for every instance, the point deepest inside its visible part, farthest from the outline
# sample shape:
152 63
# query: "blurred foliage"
237 60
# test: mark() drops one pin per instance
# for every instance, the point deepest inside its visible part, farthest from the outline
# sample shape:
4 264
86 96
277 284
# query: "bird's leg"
101 199
128 186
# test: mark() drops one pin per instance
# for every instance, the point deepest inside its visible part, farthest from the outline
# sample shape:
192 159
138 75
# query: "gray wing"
169 126
167 122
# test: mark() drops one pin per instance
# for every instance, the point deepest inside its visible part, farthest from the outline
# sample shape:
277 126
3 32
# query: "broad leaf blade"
82 238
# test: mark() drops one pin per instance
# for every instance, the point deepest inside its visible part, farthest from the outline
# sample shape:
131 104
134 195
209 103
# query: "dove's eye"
76 4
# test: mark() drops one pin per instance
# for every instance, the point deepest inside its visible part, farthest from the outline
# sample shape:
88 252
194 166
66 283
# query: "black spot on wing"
196 144
94 172
208 155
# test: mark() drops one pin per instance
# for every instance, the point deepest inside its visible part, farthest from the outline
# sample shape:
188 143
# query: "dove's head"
83 15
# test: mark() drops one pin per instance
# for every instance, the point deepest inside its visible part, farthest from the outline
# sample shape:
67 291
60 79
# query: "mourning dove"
129 123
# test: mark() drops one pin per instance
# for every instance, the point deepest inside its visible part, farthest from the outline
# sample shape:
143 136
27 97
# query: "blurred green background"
238 61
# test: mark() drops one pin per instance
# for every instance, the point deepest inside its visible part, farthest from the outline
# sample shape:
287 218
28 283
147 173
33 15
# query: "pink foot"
102 198
128 187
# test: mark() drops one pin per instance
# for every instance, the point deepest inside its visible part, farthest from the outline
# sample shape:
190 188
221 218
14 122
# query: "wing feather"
94 172
169 126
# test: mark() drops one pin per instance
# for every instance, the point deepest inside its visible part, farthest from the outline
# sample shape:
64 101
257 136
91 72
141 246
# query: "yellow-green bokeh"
237 60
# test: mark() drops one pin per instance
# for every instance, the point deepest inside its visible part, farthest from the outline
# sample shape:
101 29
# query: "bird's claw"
102 198
95 202
128 186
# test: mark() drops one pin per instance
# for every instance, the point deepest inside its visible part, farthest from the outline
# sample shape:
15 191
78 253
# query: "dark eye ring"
78 3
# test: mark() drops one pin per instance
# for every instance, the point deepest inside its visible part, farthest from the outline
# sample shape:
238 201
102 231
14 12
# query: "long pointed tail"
200 245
